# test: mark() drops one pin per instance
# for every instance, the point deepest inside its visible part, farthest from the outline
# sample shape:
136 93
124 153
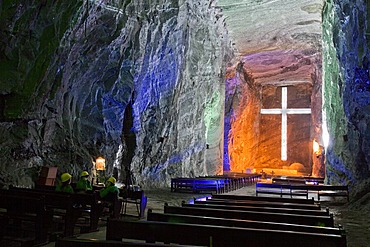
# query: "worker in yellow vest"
110 191
109 196
65 185
83 184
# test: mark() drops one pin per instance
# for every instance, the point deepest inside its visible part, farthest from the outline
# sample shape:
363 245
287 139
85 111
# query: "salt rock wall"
347 93
72 71
279 44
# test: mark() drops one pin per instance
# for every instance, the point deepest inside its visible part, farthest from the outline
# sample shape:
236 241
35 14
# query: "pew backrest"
25 208
193 219
74 242
181 233
258 209
253 215
260 204
265 198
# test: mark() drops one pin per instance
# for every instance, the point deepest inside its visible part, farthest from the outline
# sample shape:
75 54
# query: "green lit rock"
72 69
346 93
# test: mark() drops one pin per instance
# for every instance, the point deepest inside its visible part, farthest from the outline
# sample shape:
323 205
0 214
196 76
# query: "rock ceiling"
278 40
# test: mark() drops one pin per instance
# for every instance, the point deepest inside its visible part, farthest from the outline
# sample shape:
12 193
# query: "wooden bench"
265 198
74 242
253 215
302 189
279 189
324 190
243 179
60 204
204 204
298 180
235 181
288 180
193 219
225 183
196 185
210 235
68 206
20 212
116 203
333 191
260 203
136 198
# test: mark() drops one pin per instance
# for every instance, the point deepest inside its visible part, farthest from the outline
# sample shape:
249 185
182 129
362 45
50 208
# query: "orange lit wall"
243 133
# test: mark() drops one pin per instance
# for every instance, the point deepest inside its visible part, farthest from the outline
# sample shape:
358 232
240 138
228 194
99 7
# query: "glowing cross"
284 111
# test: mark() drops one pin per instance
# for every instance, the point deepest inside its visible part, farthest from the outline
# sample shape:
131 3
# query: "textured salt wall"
77 67
241 119
180 93
347 93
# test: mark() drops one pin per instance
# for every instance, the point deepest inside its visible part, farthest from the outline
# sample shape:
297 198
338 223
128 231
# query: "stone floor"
355 222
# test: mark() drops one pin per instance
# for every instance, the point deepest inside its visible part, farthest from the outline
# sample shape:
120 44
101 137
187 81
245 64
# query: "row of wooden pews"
213 184
74 242
23 220
226 220
298 187
47 212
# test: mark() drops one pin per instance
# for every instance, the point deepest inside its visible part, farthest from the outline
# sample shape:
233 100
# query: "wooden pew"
225 183
57 202
333 191
20 210
69 206
204 204
235 181
302 190
211 200
196 185
194 219
241 179
209 235
297 180
279 189
116 204
314 180
74 242
217 184
253 215
282 180
324 190
264 198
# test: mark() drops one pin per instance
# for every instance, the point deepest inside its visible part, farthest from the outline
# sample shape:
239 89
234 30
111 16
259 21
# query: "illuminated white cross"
284 111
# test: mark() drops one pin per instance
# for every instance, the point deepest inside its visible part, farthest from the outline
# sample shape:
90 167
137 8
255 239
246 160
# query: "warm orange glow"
316 147
243 136
100 164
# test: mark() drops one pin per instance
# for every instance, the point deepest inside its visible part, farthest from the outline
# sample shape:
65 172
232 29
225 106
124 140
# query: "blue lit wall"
346 92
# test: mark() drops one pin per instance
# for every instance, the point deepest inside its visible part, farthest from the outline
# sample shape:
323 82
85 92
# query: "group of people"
84 185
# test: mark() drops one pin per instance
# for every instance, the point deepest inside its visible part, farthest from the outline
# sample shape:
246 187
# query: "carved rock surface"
347 93
70 71
278 43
